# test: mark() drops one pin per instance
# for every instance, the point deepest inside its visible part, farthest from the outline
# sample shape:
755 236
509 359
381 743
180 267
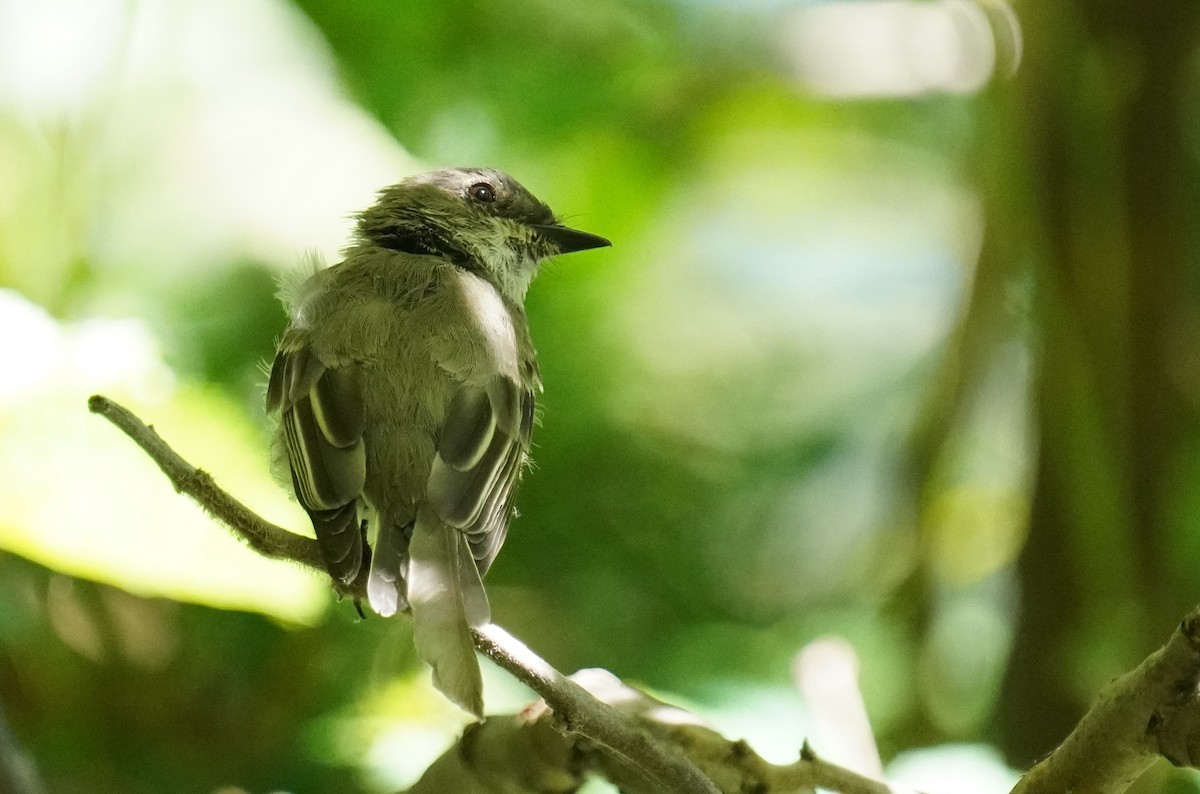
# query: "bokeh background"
897 342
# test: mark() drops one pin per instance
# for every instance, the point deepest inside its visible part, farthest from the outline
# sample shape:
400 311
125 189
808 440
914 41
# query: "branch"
813 771
577 712
1150 711
264 537
522 752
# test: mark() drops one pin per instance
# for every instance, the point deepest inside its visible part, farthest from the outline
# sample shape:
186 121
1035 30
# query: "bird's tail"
447 599
389 559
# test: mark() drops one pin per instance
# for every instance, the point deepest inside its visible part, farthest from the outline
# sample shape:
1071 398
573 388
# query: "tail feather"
447 599
385 586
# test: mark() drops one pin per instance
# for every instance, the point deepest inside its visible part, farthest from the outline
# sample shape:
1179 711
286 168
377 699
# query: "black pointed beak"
569 240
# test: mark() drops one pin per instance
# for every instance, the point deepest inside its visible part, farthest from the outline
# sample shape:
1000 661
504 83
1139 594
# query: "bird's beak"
569 240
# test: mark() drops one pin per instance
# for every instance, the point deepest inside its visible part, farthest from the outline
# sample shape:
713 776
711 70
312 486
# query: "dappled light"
882 405
902 47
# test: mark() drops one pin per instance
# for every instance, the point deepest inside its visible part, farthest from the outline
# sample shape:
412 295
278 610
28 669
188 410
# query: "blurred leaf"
77 496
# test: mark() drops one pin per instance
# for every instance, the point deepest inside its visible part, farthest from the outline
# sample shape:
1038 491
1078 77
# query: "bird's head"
479 218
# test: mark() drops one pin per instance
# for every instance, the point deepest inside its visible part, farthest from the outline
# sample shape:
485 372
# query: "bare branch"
813 771
264 537
1153 710
1150 711
577 712
523 753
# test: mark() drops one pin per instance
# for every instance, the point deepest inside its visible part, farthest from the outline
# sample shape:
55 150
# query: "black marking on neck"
416 240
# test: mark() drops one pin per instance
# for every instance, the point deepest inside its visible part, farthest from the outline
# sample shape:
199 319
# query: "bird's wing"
322 417
483 445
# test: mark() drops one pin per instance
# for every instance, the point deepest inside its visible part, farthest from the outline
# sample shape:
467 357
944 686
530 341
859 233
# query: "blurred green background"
897 342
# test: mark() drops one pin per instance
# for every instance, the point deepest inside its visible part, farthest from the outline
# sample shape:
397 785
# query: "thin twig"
264 537
577 711
812 770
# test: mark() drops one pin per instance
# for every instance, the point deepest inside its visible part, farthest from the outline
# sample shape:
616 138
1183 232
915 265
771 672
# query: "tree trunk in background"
1111 181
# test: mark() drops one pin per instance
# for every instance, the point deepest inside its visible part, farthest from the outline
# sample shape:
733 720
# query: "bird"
405 387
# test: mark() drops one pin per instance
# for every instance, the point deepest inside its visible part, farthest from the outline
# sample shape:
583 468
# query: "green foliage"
910 370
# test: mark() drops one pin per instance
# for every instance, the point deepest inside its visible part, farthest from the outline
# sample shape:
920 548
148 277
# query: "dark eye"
482 192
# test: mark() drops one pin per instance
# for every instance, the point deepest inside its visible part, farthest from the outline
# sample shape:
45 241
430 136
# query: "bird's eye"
482 192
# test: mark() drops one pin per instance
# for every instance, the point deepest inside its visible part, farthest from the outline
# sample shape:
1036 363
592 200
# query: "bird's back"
416 329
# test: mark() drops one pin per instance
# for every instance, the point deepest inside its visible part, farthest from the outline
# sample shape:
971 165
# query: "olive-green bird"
405 386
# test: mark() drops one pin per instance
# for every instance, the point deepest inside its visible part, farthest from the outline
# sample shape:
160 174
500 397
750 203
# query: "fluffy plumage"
405 387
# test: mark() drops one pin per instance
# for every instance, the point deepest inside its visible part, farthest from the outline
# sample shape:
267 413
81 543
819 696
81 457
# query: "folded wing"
322 418
483 445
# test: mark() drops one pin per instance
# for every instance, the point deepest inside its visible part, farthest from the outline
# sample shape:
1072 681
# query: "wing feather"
322 422
458 495
338 406
467 430
474 492
487 534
